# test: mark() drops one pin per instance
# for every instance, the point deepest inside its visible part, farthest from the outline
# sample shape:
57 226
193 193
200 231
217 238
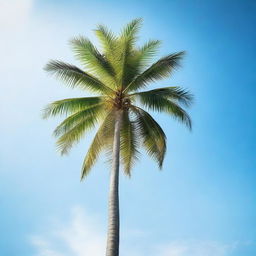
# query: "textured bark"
113 204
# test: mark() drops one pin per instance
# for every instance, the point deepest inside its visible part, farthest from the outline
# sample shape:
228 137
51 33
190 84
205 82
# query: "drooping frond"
75 77
129 143
70 106
153 137
172 93
159 103
93 60
66 141
72 129
159 70
102 138
91 115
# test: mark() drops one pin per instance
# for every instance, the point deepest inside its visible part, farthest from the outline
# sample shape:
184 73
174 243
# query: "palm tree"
117 73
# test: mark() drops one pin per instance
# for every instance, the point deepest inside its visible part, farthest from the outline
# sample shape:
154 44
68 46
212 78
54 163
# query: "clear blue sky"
203 203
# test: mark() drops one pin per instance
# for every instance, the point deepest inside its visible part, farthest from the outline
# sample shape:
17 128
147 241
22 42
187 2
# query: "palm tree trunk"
113 203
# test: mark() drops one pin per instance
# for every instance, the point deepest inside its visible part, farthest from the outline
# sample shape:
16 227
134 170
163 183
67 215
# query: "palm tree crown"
117 73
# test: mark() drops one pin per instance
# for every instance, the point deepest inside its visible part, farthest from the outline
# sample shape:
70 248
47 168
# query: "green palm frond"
101 140
107 39
68 139
137 60
159 70
146 52
71 105
125 49
130 31
159 103
172 93
129 143
90 115
153 137
75 77
93 60
72 129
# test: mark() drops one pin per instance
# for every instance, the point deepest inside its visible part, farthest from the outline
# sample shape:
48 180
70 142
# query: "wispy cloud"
82 236
79 236
44 248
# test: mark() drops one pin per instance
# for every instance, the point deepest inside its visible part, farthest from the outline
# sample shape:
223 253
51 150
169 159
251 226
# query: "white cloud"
82 236
44 247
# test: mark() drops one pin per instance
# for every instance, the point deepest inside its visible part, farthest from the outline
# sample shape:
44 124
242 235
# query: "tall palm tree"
117 73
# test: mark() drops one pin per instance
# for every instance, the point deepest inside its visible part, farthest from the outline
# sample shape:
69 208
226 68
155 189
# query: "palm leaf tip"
48 66
84 173
184 96
45 113
132 28
105 35
173 60
48 111
53 66
89 161
180 114
149 49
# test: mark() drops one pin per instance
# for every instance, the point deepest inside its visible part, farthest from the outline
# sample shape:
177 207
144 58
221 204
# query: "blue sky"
201 204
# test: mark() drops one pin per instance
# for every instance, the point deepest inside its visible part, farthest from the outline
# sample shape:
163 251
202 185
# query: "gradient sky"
203 203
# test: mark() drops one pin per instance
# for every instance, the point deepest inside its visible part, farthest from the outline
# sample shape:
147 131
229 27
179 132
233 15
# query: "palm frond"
147 51
173 93
72 129
93 60
68 139
91 115
161 104
129 143
137 60
106 38
126 43
75 77
159 70
154 139
110 46
71 105
130 31
101 140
